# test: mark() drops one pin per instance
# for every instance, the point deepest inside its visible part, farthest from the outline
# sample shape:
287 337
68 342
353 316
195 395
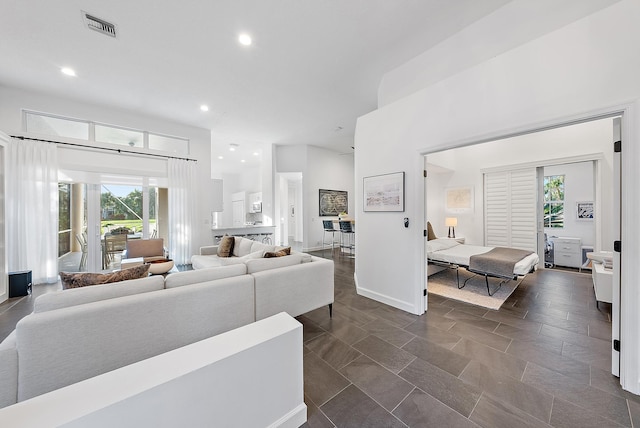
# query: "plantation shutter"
510 209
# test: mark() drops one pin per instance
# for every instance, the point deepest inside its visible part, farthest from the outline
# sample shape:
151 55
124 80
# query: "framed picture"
333 202
584 210
459 199
384 192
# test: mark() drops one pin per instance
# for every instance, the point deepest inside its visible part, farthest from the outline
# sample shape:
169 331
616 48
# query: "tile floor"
541 360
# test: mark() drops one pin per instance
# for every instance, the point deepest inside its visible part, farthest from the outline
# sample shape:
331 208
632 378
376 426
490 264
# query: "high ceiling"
313 67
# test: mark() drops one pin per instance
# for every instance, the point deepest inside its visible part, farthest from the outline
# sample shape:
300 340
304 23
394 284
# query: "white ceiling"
313 69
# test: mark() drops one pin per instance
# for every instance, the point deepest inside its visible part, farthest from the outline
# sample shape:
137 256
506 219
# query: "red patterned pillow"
280 253
81 279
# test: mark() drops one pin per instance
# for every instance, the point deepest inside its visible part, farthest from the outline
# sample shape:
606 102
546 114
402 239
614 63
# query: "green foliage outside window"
554 201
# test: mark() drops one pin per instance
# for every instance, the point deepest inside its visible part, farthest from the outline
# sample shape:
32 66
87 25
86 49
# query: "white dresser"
567 252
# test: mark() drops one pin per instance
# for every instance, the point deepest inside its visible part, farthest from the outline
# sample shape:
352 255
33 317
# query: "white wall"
321 169
499 32
465 165
249 181
13 100
581 70
578 185
516 90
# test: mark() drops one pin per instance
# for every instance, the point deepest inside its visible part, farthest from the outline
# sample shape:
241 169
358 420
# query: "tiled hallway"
542 360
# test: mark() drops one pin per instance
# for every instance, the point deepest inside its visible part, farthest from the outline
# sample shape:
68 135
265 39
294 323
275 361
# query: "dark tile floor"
543 359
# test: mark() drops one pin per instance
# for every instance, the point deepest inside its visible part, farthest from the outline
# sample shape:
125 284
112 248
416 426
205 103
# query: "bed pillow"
430 233
441 244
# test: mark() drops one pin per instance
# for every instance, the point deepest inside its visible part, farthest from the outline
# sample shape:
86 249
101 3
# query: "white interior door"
617 204
238 213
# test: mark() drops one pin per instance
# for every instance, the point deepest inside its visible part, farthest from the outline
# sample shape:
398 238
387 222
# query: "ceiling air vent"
99 25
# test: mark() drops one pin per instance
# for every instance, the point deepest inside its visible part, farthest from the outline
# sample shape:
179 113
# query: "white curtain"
32 209
182 209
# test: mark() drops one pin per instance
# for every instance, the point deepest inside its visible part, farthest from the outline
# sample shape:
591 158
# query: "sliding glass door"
96 221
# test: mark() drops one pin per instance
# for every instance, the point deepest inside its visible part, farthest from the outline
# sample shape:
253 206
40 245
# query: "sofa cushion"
259 265
279 253
75 280
205 262
242 246
201 275
259 246
225 248
80 296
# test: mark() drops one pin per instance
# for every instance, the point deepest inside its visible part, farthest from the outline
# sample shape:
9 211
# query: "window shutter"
510 209
496 213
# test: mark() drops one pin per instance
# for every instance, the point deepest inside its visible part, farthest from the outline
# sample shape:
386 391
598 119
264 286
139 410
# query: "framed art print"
384 192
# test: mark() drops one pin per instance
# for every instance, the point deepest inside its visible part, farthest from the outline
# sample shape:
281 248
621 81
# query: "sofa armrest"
210 250
294 289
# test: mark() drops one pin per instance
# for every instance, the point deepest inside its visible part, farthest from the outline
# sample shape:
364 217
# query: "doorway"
589 141
289 210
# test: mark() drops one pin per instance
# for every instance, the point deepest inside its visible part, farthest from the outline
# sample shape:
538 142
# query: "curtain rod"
20 137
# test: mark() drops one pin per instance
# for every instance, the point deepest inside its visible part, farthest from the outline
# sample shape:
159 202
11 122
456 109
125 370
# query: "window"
120 136
554 201
58 126
168 144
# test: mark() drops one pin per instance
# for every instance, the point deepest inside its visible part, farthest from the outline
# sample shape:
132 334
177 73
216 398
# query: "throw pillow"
430 233
280 253
75 280
225 248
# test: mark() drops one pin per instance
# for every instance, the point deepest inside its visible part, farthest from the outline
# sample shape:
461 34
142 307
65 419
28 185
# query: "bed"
495 262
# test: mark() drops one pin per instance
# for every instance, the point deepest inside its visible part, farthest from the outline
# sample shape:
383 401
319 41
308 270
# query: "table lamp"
451 223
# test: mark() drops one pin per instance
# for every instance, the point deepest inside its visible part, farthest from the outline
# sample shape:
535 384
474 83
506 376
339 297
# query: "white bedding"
451 251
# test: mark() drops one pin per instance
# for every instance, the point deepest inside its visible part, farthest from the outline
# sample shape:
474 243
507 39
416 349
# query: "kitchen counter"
257 229
246 227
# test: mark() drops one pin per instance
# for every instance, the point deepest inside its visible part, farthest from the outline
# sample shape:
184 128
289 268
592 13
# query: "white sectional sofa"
79 333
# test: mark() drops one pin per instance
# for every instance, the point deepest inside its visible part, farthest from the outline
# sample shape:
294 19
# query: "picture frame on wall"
584 211
384 192
333 202
459 199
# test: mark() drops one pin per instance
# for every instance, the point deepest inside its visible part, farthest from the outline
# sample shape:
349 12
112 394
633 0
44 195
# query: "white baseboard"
400 304
293 419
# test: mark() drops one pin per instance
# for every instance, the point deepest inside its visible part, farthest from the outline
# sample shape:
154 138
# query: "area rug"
475 292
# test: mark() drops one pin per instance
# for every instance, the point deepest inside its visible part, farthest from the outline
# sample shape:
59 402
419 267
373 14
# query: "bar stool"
347 234
327 227
266 238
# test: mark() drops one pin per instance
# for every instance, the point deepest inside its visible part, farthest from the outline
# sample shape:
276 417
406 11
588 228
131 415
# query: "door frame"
626 268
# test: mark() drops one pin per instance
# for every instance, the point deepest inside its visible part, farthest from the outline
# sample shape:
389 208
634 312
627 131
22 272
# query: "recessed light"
220 157
244 39
68 71
256 153
233 147
242 160
204 107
